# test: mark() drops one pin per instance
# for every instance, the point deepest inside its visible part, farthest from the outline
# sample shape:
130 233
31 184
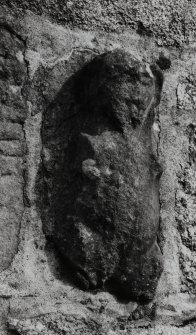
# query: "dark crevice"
13 332
7 27
189 321
144 31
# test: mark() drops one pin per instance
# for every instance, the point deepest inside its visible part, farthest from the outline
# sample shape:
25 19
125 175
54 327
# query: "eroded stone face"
107 212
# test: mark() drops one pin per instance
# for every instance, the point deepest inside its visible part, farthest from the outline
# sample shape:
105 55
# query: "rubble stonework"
43 65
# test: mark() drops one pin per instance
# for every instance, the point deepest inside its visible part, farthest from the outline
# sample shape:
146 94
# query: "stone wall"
42 46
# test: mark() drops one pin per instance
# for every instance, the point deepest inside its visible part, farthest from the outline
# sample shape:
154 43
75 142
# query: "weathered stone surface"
106 186
58 323
12 148
185 196
171 22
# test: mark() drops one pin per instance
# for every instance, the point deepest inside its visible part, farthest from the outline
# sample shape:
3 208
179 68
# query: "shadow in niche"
58 126
61 120
61 269
64 271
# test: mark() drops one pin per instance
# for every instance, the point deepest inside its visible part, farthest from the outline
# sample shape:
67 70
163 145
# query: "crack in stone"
7 27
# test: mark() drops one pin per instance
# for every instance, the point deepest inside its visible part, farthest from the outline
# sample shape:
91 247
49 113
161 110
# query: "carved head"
120 88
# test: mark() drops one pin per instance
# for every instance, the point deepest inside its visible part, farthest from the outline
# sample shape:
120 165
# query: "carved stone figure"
108 223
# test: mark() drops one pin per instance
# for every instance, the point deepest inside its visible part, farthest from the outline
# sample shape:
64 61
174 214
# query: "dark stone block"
103 187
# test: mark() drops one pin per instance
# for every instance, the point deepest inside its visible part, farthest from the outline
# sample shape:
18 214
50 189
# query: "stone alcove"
101 177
